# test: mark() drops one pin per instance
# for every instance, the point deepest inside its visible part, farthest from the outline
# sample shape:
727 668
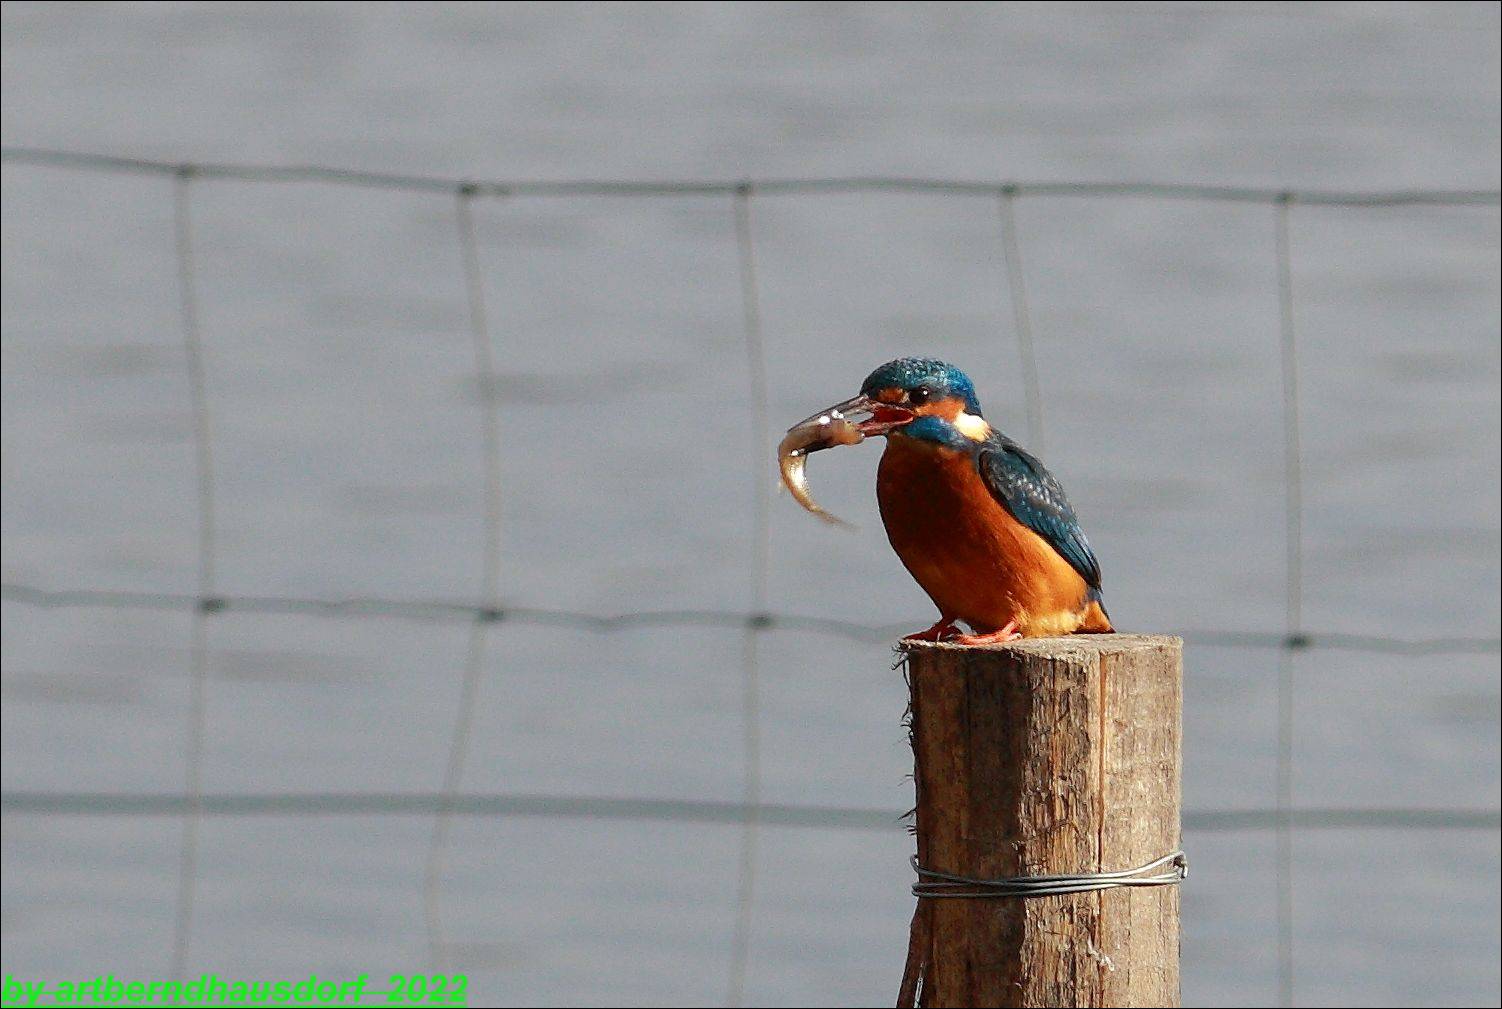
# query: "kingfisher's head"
918 397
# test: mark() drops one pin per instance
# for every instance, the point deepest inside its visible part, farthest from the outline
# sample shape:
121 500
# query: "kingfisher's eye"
918 397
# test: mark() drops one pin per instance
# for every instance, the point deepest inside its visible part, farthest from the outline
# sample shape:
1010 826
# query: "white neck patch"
972 427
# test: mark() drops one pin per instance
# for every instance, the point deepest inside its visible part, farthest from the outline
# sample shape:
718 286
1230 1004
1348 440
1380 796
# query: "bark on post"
1046 756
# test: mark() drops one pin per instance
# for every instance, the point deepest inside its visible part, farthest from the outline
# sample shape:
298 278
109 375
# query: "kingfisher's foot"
1007 633
940 631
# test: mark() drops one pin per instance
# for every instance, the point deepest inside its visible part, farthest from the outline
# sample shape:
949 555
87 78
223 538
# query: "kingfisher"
982 526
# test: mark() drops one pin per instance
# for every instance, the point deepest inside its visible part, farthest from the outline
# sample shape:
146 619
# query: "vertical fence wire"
490 576
1294 616
1022 322
203 463
756 373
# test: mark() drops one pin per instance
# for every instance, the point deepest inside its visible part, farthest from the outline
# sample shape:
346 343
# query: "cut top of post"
1069 646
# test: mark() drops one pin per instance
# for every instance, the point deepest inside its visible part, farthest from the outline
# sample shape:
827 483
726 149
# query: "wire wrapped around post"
1169 870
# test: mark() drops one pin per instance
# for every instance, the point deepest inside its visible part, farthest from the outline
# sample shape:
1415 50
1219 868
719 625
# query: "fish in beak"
847 423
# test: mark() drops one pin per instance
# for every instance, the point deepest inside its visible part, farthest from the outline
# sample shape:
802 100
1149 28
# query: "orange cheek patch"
949 409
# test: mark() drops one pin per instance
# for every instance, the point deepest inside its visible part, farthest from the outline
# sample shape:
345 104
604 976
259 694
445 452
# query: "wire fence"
488 608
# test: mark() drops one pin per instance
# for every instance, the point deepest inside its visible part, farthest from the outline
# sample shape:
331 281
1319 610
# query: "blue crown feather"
942 380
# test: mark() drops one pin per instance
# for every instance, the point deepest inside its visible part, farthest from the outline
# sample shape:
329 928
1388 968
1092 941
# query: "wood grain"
1047 755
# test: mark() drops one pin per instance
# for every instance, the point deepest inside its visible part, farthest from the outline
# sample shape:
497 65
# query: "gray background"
345 418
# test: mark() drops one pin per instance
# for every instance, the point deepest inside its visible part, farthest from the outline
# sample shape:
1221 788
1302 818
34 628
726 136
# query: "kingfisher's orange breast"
977 562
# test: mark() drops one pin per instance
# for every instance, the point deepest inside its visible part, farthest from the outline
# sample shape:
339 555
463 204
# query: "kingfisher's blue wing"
1026 489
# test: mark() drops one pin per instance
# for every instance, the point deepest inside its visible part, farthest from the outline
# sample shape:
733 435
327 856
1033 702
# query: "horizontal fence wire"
359 607
730 814
689 187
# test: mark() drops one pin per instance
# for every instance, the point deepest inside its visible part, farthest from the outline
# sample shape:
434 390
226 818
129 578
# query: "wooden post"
1040 757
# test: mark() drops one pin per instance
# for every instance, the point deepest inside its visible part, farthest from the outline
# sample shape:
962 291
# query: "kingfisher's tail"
1097 620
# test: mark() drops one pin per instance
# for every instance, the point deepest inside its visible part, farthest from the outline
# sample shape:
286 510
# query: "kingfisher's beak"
870 417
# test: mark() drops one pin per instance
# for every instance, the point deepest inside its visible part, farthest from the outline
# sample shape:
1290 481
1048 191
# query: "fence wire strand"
1022 322
196 712
1294 616
490 575
680 187
438 610
668 810
761 553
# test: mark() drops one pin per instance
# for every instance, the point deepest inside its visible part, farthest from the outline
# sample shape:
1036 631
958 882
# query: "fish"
825 430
